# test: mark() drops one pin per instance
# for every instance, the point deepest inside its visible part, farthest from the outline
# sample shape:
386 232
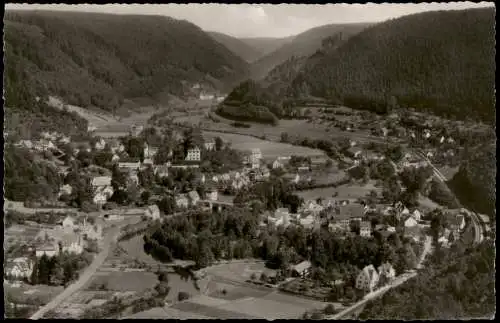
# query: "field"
347 192
123 281
33 295
18 235
301 128
269 149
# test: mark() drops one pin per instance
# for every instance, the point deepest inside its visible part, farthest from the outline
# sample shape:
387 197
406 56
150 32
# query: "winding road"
99 259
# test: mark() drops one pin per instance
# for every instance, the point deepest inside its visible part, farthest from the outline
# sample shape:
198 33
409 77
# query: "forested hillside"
442 62
459 284
304 44
475 182
237 46
99 60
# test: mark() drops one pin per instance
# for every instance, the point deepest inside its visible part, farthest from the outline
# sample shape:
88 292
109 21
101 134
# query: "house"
161 171
65 190
458 221
416 215
367 279
115 158
355 152
312 207
152 212
102 194
136 130
100 144
129 165
410 222
352 143
64 140
256 155
294 178
277 164
344 214
212 193
307 221
193 197
91 128
149 152
302 269
113 217
50 249
72 243
147 162
303 169
69 222
281 212
133 178
100 181
206 96
181 201
209 145
365 229
386 273
193 154
92 232
19 268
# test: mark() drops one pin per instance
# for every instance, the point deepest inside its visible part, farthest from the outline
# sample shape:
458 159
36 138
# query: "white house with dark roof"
153 212
367 279
181 201
99 181
386 273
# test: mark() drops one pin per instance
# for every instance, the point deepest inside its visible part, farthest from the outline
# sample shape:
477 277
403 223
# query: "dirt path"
109 240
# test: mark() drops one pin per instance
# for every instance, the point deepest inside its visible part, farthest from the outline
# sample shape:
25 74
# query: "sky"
264 20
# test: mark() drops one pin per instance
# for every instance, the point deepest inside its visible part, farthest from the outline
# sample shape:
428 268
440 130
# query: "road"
99 259
379 292
478 228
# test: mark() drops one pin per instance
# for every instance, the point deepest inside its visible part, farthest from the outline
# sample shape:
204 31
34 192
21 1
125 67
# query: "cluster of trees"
235 234
459 283
270 195
60 269
27 178
247 112
99 60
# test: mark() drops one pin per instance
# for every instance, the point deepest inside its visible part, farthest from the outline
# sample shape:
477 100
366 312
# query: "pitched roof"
193 195
101 181
302 266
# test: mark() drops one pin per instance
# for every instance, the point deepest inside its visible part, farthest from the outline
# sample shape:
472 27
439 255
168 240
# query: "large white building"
367 279
193 154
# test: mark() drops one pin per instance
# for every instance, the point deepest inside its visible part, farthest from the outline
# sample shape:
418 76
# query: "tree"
263 277
163 289
166 205
219 144
145 197
284 137
146 177
182 296
253 276
118 179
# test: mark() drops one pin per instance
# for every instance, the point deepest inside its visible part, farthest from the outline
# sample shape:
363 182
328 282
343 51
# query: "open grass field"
239 271
318 129
124 281
269 149
33 295
347 192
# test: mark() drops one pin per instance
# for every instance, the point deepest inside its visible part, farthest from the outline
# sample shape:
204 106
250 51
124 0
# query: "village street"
109 240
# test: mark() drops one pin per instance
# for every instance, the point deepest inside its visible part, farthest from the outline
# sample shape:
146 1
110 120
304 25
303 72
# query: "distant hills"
100 60
267 45
304 44
239 47
441 62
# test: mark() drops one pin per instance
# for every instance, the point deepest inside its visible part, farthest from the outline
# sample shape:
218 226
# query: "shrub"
182 296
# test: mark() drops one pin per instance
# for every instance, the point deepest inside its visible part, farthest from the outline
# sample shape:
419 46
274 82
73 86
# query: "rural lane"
379 292
84 277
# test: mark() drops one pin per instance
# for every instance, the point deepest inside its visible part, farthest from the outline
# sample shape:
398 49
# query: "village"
152 175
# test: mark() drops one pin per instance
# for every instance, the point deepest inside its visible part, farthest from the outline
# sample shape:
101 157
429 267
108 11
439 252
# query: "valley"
159 168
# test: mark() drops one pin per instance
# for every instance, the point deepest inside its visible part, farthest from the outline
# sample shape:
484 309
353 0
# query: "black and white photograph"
249 161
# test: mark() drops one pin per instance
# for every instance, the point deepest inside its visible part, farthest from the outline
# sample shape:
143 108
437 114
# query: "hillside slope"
99 59
442 61
266 45
458 284
237 46
304 44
